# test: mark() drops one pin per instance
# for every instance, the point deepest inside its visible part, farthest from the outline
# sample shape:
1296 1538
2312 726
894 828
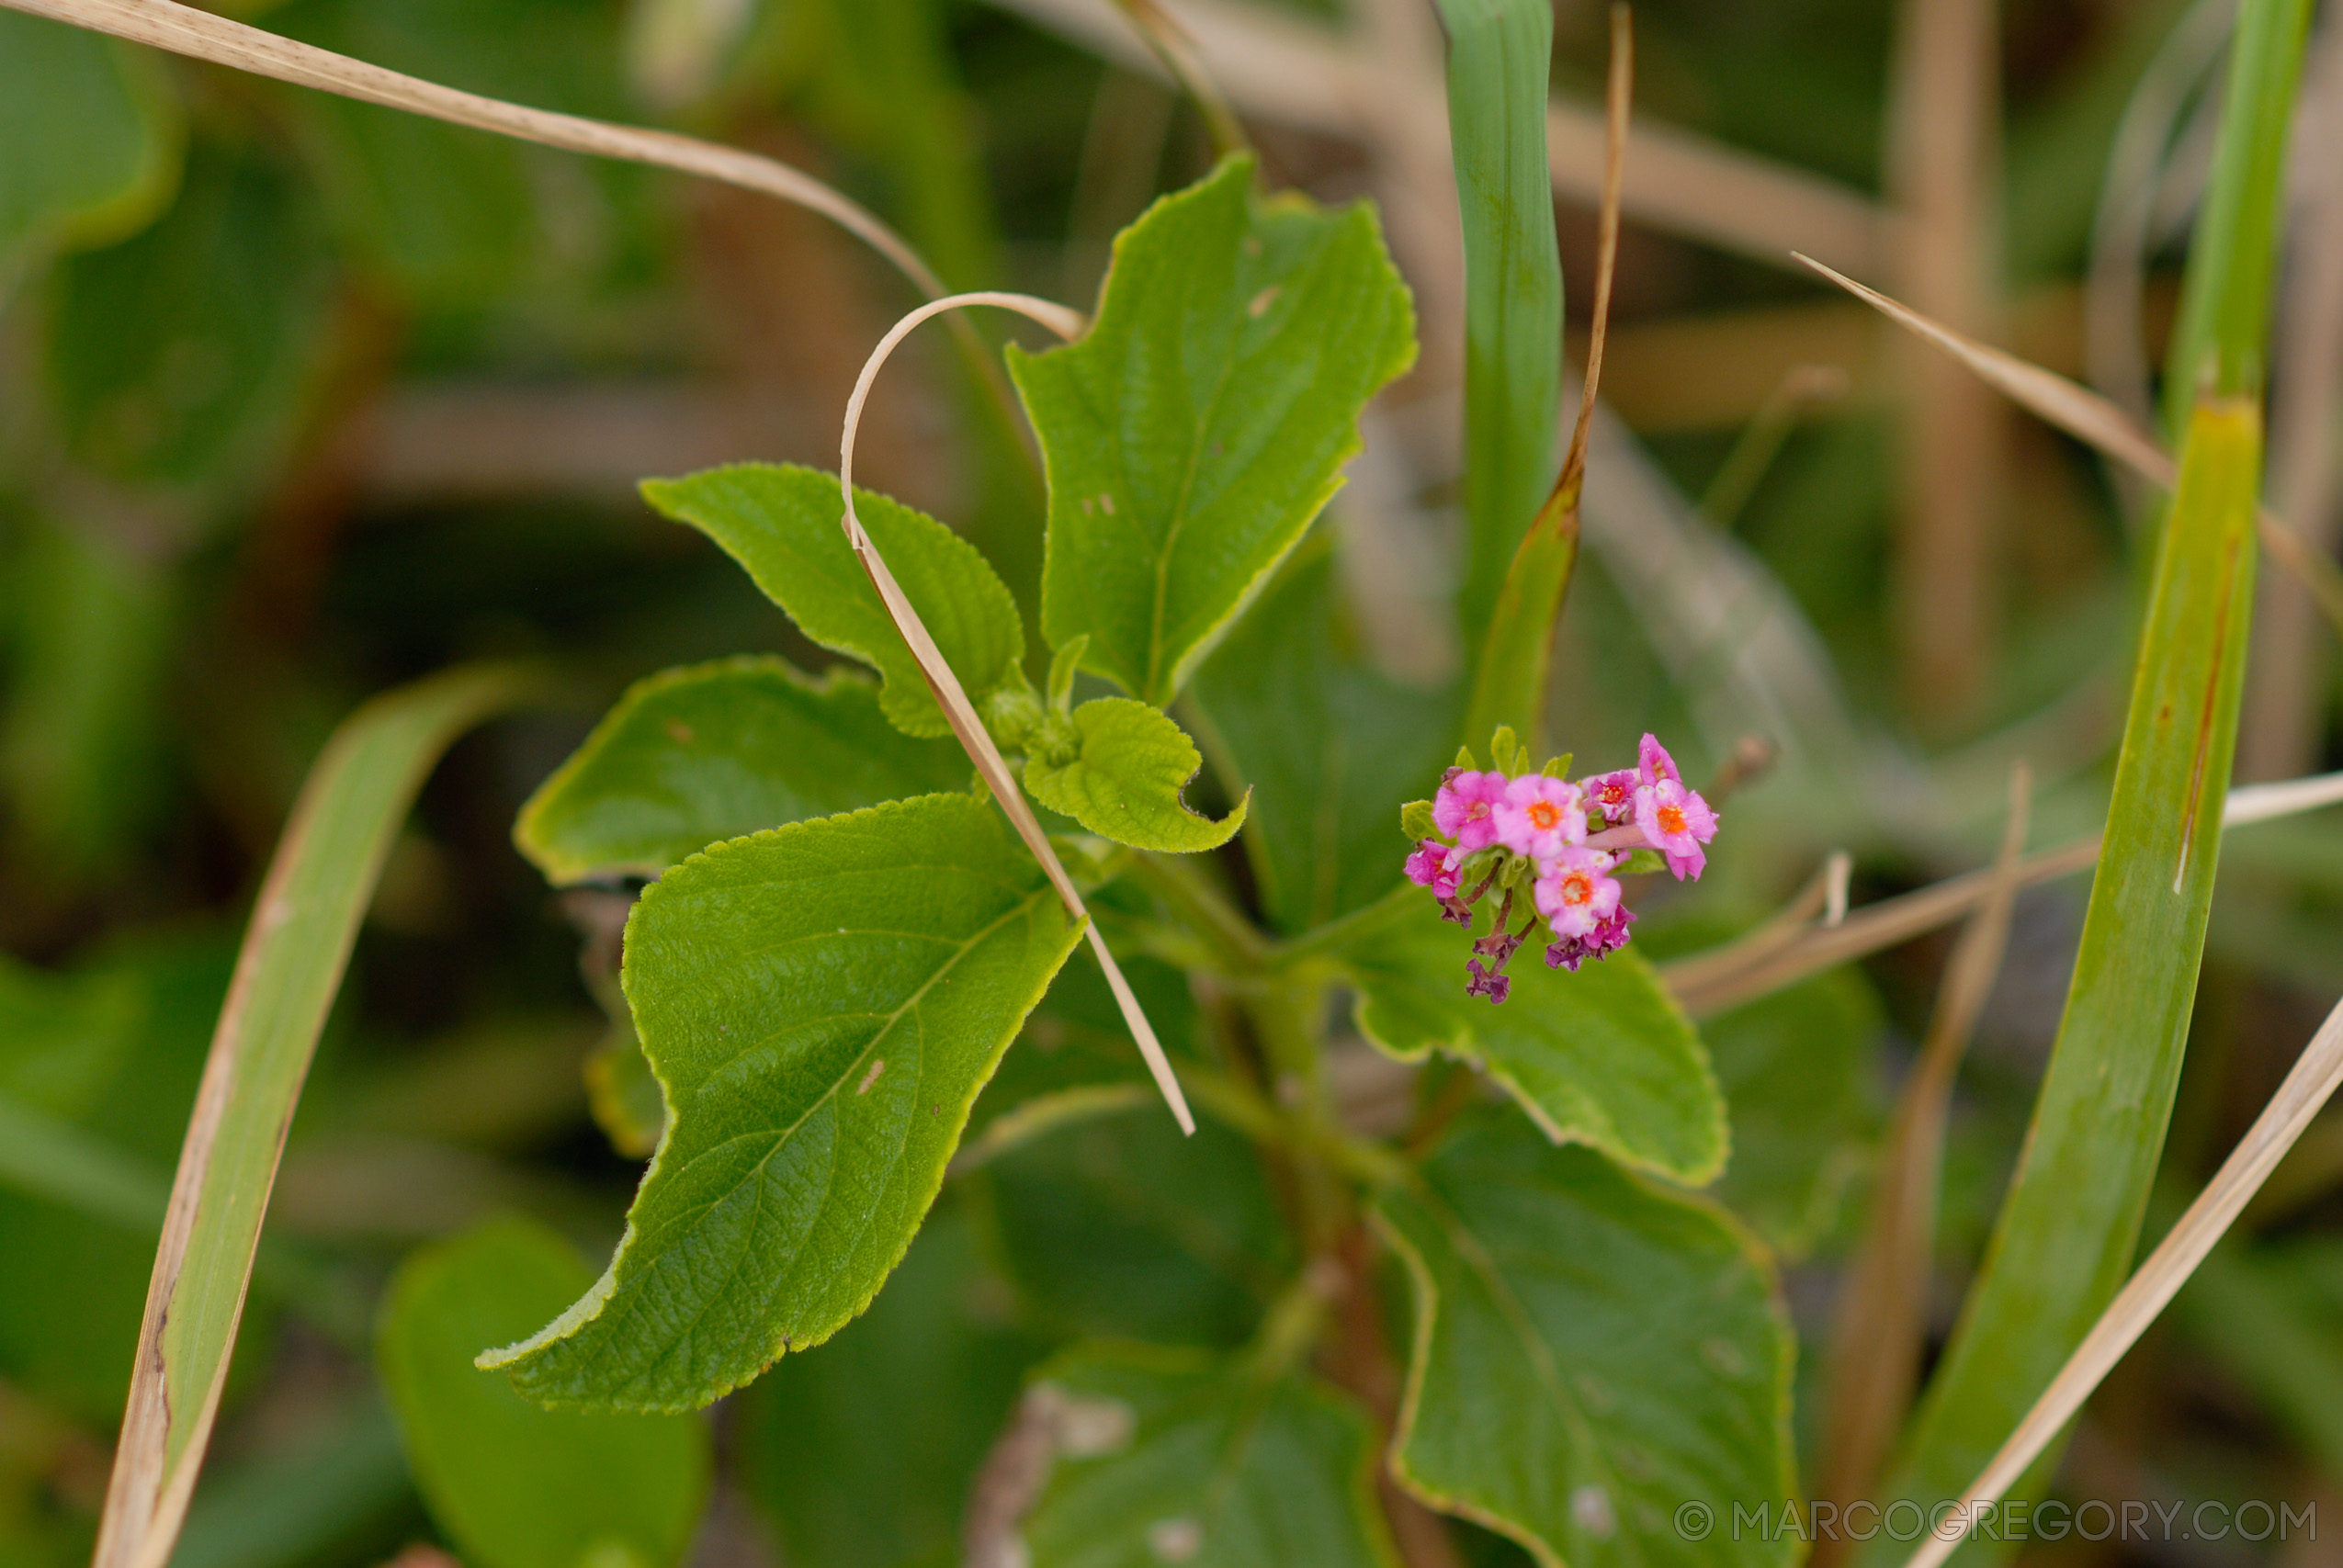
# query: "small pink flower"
1466 809
1654 763
1576 891
1610 797
1433 866
1540 816
1678 822
1608 935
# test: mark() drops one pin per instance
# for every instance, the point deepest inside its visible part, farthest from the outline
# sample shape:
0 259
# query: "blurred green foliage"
301 397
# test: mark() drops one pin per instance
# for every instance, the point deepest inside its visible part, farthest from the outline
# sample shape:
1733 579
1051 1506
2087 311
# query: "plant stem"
1205 909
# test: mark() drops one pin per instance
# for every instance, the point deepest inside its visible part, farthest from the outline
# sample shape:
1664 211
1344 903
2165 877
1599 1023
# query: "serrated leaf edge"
1036 774
913 722
563 871
1427 1300
588 1307
1606 1139
1282 203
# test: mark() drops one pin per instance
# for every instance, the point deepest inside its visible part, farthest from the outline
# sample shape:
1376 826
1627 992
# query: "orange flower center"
1613 795
1545 815
1479 810
1577 888
1671 818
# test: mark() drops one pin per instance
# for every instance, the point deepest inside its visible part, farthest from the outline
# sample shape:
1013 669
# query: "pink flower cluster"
1563 838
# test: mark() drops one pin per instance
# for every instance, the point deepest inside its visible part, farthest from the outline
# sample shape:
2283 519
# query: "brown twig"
1943 155
1618 100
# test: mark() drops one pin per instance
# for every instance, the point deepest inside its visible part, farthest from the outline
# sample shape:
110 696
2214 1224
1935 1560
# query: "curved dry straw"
958 710
198 35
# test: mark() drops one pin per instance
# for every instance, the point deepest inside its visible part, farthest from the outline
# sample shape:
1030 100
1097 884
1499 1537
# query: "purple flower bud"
1491 984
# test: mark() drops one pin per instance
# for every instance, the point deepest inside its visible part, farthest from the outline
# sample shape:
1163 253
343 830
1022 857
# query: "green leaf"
513 1485
92 138
63 1037
821 1003
782 523
1603 1057
111 1049
1109 1223
622 1094
1119 1226
78 1218
1328 746
446 216
79 740
1800 1071
1179 1457
1499 52
1591 1354
1192 433
864 1453
714 751
180 355
1064 665
1797 1069
1124 779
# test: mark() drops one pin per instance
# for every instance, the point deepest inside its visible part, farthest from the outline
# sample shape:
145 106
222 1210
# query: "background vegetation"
302 399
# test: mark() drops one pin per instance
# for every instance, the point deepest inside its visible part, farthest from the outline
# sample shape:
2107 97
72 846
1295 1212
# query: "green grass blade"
1508 687
2066 1232
295 950
2068 1229
1497 54
2072 1217
2219 344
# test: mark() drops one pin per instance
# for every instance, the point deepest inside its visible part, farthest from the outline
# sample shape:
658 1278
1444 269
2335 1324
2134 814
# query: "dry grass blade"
198 35
1825 888
2077 411
2099 423
1715 989
1618 100
1784 953
1882 1309
2314 1078
296 947
960 713
1802 387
